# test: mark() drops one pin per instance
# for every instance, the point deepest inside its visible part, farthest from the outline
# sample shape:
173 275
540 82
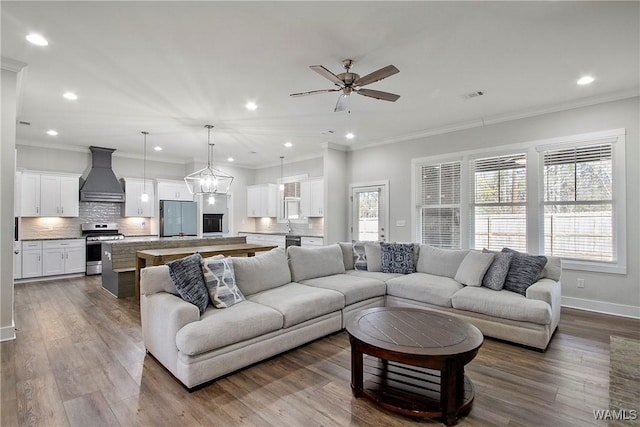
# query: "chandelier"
209 181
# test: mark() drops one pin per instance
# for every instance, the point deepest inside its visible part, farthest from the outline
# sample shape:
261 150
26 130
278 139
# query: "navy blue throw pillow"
186 275
397 258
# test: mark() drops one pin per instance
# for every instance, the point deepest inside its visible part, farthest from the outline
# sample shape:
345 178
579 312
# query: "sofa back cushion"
347 254
373 255
552 269
156 279
261 272
440 262
309 263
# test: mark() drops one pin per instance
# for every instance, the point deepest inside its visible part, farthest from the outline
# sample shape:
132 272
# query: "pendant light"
209 181
281 173
144 197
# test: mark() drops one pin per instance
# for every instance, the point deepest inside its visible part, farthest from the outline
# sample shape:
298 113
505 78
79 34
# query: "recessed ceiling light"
37 39
350 135
157 148
70 95
52 132
251 106
230 159
288 144
585 80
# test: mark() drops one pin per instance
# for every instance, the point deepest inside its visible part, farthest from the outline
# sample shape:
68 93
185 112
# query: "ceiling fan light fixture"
585 80
251 106
70 96
37 39
208 181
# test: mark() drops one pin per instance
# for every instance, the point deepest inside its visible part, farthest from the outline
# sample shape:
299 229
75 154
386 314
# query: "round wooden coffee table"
417 367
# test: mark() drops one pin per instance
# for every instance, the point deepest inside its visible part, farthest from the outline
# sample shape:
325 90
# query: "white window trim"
535 185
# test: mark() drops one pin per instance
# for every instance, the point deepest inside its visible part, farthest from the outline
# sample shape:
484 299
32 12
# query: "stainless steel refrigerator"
178 217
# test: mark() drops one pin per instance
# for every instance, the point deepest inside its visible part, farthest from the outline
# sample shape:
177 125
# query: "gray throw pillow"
473 268
523 271
359 256
497 272
186 275
397 258
220 280
373 255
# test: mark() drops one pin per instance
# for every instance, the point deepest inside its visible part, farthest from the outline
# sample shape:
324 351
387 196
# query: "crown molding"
454 127
10 64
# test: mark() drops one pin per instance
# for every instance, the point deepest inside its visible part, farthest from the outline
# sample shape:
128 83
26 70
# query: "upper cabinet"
49 194
133 204
262 200
312 197
174 190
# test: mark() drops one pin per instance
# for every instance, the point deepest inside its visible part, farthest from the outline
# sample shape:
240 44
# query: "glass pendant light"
144 197
281 173
209 181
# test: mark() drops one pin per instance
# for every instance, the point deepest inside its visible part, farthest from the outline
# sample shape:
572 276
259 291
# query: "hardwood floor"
79 360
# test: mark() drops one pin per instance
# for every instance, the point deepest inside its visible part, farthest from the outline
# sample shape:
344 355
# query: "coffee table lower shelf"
409 390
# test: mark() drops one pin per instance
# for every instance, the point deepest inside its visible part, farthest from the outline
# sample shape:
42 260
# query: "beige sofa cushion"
436 290
218 328
502 304
347 254
353 288
309 263
378 275
441 262
156 279
261 272
552 269
299 303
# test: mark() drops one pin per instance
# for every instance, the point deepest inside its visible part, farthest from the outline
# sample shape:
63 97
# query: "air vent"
22 122
328 132
473 94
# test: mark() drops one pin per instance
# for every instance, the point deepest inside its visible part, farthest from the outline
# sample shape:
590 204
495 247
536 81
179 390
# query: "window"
439 204
500 202
578 202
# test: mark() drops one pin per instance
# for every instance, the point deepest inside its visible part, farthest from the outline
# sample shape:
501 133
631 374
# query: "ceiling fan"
349 82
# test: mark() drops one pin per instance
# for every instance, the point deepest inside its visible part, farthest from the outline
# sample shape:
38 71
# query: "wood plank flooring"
78 360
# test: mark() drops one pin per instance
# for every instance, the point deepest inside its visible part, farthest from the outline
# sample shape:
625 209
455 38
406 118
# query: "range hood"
101 184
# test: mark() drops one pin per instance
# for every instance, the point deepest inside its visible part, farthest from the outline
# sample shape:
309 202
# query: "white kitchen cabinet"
133 204
311 241
31 259
262 200
63 257
174 190
17 194
49 195
265 239
312 197
30 194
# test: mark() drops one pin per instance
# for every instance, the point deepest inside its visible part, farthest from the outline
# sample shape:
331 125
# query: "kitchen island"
119 257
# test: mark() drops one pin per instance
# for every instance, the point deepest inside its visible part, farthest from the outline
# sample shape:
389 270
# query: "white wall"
602 292
7 174
336 195
271 174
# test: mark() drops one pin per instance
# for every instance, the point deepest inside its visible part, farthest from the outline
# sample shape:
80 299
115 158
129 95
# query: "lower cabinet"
311 241
31 259
265 239
63 257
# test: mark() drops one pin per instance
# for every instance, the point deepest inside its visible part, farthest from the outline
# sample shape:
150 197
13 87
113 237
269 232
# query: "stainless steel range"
95 234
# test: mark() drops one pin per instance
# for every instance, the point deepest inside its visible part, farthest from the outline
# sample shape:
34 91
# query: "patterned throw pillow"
220 280
397 258
523 271
497 272
186 275
359 256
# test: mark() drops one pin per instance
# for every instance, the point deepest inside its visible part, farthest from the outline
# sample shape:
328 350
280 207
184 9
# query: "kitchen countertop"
155 238
276 233
52 238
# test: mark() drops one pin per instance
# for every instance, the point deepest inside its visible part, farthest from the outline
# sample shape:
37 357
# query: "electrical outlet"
580 283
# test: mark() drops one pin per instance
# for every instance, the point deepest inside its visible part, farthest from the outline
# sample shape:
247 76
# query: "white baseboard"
8 333
602 307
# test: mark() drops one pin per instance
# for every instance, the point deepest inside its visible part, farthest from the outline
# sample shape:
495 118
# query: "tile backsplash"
270 225
56 227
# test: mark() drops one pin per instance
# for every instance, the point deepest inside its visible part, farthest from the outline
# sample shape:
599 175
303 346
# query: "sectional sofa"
303 294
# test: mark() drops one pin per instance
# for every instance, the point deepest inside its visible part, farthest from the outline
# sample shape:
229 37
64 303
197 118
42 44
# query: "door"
171 220
31 264
75 261
370 212
52 261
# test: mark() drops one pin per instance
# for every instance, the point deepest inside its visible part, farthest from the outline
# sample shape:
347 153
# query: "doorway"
370 211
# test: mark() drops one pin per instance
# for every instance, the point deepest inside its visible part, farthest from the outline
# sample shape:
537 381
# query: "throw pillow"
186 275
523 271
497 272
347 254
359 256
473 268
397 258
220 280
373 255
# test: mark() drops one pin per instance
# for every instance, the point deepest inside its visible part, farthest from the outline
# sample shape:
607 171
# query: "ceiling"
169 68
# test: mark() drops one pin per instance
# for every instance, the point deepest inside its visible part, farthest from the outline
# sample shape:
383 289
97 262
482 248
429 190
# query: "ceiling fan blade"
313 92
342 103
327 74
385 96
382 73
